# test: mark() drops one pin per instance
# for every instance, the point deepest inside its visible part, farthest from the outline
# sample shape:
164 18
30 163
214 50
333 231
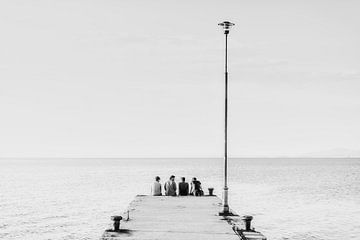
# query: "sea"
289 198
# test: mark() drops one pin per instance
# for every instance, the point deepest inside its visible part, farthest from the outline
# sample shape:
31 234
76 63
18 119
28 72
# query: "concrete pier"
173 218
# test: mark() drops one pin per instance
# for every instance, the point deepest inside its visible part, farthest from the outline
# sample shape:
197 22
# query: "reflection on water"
74 198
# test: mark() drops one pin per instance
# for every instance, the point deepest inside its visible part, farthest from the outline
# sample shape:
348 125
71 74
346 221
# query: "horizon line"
242 157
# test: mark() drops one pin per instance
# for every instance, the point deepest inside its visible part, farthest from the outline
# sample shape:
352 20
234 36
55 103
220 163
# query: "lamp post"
226 210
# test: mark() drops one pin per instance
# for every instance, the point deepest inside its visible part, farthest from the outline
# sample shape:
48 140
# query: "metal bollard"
247 221
116 220
211 191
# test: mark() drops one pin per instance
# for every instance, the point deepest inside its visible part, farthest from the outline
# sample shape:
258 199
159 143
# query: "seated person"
156 188
170 187
196 189
183 187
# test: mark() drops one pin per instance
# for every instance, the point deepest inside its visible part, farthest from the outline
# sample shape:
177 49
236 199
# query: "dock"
172 218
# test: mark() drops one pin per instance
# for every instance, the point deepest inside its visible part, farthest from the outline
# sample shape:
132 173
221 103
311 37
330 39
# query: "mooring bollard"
211 191
247 221
116 220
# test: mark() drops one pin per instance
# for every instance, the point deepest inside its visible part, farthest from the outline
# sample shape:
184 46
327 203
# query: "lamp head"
226 26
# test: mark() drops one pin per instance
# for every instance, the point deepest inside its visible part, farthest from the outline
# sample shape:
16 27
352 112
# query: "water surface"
74 198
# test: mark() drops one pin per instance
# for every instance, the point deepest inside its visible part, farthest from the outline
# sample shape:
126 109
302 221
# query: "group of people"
171 189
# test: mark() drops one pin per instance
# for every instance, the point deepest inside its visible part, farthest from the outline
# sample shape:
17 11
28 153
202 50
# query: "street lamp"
226 210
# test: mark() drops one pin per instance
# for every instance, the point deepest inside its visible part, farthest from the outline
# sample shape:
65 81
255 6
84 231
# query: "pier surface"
174 218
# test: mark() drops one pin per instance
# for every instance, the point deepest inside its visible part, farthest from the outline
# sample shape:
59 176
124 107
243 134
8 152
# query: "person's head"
157 178
183 179
172 178
194 179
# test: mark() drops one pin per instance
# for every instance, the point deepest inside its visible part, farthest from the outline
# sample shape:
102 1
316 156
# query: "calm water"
74 198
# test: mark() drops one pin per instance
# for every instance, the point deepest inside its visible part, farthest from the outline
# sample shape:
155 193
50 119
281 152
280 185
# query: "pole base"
225 211
225 214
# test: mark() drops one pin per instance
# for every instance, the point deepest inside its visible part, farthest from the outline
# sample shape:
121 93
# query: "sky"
138 78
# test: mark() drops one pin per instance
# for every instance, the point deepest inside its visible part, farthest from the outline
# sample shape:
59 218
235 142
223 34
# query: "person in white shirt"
156 188
170 187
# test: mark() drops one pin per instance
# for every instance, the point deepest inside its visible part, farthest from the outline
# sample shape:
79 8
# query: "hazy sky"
130 78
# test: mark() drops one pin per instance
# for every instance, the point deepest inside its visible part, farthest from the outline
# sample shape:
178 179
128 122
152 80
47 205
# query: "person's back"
183 188
156 188
197 185
196 189
170 187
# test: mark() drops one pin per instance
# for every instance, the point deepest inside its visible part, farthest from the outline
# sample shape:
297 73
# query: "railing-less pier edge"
191 218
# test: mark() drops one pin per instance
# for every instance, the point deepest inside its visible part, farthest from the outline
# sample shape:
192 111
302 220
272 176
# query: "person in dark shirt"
183 187
196 189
